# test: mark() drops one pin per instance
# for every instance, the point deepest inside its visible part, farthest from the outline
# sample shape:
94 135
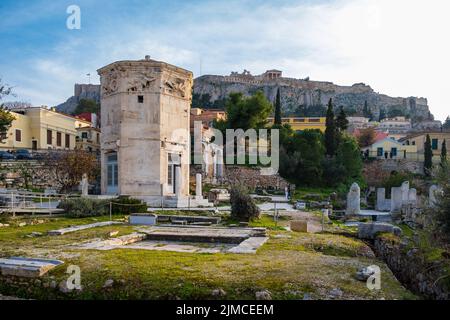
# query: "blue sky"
399 47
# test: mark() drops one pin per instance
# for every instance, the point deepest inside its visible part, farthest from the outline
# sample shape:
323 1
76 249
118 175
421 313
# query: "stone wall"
252 178
422 277
13 175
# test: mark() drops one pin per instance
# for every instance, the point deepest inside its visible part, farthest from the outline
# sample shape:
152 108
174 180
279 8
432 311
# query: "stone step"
27 267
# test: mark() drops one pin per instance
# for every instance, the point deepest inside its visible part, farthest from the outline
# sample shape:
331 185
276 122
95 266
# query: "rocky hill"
301 97
81 91
304 97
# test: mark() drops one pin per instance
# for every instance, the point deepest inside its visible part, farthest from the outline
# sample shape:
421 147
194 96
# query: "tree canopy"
6 117
246 112
87 105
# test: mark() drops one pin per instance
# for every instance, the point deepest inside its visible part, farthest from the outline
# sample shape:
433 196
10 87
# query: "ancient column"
405 192
178 181
412 197
354 200
84 185
396 199
198 186
381 199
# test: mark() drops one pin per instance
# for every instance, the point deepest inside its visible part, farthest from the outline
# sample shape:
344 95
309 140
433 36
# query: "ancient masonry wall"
412 270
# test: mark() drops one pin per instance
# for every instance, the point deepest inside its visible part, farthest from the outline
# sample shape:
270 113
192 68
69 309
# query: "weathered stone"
364 273
113 233
354 200
396 199
433 195
84 185
263 295
198 185
27 267
412 197
150 133
300 226
335 293
81 227
308 93
405 191
383 204
108 283
218 293
372 229
147 219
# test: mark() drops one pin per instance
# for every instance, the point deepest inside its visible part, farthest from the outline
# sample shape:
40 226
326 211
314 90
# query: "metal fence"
15 202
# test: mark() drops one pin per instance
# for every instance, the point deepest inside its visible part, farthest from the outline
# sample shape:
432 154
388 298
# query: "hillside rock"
305 93
81 91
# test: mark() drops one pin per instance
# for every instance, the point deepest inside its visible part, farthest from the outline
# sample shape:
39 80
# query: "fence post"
12 204
110 211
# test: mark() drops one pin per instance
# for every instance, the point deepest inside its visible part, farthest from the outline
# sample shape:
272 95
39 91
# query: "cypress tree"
277 120
341 121
428 154
330 131
444 154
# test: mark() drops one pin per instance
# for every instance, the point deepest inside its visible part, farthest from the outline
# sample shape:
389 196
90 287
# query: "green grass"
301 193
289 267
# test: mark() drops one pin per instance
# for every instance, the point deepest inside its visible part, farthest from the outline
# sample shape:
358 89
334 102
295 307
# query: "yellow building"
437 138
41 128
88 139
300 124
388 148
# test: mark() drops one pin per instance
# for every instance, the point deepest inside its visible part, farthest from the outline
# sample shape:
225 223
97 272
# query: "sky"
398 47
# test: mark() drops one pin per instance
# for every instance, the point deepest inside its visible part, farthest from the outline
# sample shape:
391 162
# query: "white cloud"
399 47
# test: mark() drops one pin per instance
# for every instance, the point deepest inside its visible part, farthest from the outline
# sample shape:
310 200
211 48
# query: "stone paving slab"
186 239
81 227
249 246
27 267
201 234
114 242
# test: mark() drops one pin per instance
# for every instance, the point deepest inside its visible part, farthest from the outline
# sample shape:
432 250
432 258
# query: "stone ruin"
405 204
354 200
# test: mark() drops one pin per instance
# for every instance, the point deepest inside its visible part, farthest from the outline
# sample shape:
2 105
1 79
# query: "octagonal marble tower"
145 108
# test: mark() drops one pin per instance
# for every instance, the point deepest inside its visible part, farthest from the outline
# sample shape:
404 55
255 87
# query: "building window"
49 136
58 139
169 174
140 99
67 141
380 152
434 144
18 135
393 152
84 135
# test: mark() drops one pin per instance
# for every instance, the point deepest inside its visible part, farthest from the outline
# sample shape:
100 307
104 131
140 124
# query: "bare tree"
68 167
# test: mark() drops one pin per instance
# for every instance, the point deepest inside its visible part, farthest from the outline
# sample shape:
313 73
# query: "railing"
31 202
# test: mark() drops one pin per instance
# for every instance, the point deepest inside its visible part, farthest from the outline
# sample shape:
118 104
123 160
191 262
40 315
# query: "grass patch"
288 266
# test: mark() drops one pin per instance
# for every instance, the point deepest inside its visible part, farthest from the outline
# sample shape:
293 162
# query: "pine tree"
277 120
341 121
428 154
330 131
444 154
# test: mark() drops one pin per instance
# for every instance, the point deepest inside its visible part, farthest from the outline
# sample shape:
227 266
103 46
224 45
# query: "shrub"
126 205
243 207
84 207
